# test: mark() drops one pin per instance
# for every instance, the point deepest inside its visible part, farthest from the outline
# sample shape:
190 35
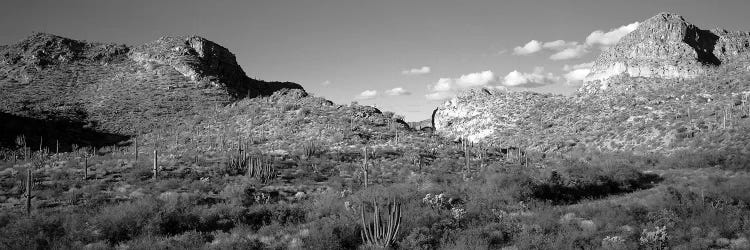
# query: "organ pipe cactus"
377 233
259 169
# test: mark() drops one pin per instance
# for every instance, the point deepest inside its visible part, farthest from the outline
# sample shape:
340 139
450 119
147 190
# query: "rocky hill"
667 46
668 88
84 88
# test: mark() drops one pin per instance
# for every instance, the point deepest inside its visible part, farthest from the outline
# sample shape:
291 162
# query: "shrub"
126 220
333 232
265 214
36 232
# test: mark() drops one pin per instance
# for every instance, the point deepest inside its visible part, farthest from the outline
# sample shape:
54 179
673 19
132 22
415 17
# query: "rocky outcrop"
203 61
667 47
474 114
42 49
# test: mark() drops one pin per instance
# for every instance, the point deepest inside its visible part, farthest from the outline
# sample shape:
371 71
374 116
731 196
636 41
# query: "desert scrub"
126 220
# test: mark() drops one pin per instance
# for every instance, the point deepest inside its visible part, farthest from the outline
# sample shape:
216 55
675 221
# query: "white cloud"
559 45
476 79
576 76
446 87
576 73
534 79
611 37
397 91
325 83
367 94
564 50
531 47
417 71
575 51
465 81
587 65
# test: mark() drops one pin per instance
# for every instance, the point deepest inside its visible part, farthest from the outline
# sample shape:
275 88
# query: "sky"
405 56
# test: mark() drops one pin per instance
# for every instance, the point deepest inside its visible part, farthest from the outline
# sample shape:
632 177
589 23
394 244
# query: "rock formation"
668 47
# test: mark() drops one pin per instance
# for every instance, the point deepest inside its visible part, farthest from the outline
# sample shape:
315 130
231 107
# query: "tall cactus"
364 167
136 150
29 180
156 164
376 233
259 169
86 153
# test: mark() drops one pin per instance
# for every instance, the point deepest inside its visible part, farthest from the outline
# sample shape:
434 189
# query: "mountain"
98 93
668 47
669 86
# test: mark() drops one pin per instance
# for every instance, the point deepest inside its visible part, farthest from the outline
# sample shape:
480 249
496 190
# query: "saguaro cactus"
364 167
136 150
29 180
378 234
86 153
156 164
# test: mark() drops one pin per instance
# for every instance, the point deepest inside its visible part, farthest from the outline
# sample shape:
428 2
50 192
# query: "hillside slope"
647 113
82 87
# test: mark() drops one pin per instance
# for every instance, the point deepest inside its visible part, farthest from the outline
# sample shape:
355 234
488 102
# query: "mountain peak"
665 46
666 17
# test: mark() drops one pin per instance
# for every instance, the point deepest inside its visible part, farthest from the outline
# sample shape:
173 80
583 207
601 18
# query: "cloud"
470 80
576 76
606 39
535 79
445 88
587 65
576 51
325 83
531 47
576 73
416 71
559 45
397 91
564 50
367 94
476 79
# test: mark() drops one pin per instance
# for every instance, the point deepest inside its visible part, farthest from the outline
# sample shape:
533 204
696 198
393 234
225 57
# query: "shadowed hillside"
120 89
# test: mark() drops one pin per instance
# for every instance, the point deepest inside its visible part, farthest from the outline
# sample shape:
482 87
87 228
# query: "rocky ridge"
685 99
118 89
666 46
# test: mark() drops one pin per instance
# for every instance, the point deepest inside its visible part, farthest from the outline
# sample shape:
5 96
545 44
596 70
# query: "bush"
333 232
266 214
126 220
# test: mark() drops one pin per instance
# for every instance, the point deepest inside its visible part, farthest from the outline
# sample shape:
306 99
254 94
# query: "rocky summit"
667 46
666 86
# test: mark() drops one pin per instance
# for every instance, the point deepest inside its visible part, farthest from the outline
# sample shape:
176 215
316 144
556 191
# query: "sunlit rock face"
666 47
473 115
196 58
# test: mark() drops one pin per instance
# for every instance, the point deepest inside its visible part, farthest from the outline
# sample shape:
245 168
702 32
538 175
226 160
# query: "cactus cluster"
377 233
259 169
